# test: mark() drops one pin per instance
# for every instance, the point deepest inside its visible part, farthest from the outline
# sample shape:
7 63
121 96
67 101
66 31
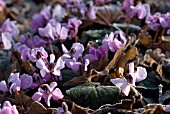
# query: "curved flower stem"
162 32
20 100
76 39
127 28
51 47
156 35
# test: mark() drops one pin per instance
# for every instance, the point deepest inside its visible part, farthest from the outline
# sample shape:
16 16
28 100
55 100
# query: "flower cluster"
159 20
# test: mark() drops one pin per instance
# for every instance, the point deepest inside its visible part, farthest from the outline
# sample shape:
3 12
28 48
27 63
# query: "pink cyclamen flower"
141 10
158 20
48 92
2 5
16 82
50 67
40 19
113 41
126 4
10 27
74 59
37 81
91 10
37 53
7 108
54 31
24 51
58 12
73 25
137 76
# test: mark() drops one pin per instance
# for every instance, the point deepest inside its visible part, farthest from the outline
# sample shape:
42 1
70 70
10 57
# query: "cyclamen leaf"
93 95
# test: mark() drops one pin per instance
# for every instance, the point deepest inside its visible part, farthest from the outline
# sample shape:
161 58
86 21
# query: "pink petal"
91 57
163 22
13 77
53 85
131 67
58 28
63 33
6 104
37 96
122 84
52 58
6 39
14 87
47 99
3 86
64 49
43 72
60 64
14 110
114 45
57 94
40 64
72 64
79 49
26 81
140 74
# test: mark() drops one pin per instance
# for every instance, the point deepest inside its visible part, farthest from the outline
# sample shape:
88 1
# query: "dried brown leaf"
155 109
164 45
129 55
38 108
125 104
145 38
79 110
116 57
86 77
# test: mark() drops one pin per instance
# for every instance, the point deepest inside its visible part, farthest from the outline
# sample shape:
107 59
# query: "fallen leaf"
79 110
144 38
38 108
115 59
129 55
86 77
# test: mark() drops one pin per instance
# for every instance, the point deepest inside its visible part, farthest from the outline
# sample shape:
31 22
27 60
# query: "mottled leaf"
93 95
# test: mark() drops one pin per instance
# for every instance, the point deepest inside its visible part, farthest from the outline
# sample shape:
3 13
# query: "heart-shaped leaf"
93 95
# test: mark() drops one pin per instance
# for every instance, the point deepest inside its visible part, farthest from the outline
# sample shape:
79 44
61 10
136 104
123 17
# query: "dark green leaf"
94 35
67 75
93 95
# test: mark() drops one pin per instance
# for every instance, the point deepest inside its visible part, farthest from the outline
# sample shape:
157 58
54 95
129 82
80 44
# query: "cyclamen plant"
24 81
59 26
47 93
111 42
133 77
